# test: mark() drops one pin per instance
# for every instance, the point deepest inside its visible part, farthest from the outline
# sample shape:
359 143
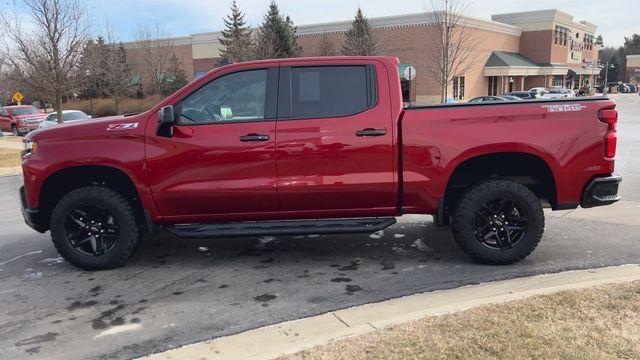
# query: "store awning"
503 63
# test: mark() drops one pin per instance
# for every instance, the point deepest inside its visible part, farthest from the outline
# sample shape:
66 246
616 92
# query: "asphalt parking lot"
175 292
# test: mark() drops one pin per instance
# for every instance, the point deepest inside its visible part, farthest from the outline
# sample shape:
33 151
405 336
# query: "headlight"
30 147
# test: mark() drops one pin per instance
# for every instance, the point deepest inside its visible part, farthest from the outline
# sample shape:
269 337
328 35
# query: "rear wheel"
498 222
94 228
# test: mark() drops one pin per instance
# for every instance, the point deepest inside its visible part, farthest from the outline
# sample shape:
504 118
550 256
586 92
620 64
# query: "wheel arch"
60 182
525 165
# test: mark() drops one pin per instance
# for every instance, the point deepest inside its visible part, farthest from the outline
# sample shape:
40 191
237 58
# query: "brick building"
515 51
633 68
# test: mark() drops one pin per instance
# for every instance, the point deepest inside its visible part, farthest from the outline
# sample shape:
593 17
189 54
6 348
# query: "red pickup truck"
316 146
20 119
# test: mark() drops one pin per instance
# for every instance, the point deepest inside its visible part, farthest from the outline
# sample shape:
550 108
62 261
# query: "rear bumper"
601 191
31 216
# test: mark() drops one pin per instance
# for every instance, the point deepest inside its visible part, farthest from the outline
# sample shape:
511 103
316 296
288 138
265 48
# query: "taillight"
610 117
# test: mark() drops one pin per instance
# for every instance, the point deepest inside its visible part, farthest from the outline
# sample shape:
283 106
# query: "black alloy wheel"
498 221
91 230
95 228
500 224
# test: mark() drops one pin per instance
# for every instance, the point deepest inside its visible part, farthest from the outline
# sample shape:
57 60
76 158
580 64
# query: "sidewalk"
297 335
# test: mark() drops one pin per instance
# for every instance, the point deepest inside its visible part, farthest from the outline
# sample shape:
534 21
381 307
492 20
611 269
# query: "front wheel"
94 228
498 222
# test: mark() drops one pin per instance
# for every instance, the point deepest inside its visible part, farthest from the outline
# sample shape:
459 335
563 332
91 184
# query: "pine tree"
276 36
360 40
236 38
325 47
175 77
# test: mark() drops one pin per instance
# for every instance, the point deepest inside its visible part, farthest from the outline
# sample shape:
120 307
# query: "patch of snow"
398 236
421 246
377 235
51 261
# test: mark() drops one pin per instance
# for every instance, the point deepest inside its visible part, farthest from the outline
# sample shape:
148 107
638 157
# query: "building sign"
575 51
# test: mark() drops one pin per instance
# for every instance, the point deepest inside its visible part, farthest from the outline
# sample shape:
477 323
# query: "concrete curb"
293 336
10 171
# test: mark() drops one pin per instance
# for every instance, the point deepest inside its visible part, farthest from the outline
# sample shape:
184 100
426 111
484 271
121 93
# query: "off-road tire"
121 210
478 195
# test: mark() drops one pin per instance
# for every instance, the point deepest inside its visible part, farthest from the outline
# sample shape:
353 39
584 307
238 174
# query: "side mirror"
166 115
166 120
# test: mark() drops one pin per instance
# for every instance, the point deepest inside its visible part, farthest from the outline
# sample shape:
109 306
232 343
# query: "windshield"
25 111
72 116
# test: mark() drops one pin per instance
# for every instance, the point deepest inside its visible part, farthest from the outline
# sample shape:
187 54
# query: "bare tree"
46 57
157 49
454 47
325 47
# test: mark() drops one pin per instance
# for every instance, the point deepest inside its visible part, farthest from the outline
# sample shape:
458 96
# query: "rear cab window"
327 91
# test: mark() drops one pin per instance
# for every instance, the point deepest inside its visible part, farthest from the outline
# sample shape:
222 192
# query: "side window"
53 117
331 91
237 96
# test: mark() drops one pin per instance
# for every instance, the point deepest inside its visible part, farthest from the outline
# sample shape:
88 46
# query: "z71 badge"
126 126
567 107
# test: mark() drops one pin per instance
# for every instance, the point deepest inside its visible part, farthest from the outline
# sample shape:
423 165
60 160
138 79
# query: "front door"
335 140
220 161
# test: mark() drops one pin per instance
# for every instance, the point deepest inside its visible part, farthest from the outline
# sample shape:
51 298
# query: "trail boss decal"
567 107
126 126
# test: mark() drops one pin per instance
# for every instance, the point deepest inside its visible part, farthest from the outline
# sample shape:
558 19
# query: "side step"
289 227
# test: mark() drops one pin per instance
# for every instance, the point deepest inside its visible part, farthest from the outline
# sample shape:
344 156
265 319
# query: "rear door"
335 139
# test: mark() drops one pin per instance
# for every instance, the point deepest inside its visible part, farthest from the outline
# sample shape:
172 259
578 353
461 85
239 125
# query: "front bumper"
31 216
601 191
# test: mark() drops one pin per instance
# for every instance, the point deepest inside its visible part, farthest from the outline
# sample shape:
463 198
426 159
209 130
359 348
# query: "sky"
184 17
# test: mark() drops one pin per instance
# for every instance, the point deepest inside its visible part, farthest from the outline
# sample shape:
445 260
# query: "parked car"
511 97
523 95
538 91
69 116
20 119
335 152
488 99
559 94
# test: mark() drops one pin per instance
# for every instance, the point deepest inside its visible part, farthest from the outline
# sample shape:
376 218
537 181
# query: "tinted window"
74 116
330 91
234 97
25 111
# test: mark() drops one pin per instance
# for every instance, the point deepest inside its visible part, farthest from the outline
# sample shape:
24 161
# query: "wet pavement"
175 292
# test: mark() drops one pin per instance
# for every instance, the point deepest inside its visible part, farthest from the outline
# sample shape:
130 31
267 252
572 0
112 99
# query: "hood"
30 116
93 128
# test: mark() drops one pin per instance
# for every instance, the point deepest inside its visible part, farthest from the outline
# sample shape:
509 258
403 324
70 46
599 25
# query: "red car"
20 119
311 146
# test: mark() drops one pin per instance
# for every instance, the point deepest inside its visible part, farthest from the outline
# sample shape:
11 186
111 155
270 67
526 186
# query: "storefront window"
458 87
493 86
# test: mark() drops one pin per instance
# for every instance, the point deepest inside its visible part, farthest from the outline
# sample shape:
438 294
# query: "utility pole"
606 80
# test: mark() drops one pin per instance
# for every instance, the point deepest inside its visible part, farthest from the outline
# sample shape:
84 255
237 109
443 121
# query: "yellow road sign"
18 96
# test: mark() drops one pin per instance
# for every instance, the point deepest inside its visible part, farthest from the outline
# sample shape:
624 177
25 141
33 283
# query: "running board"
290 227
